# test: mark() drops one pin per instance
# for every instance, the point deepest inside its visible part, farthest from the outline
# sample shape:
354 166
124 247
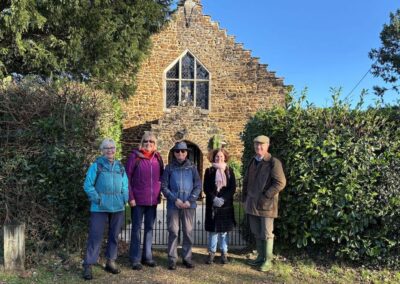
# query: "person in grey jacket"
181 185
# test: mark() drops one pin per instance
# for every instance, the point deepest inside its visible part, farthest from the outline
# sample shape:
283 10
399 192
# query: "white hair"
106 142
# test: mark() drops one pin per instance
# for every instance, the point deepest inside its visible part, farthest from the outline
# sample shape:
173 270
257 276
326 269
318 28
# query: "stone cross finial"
188 6
182 2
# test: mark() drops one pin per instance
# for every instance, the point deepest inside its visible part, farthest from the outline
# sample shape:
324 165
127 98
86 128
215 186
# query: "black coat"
220 219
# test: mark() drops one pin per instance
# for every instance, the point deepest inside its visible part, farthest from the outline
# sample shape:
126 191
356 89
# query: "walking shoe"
224 258
172 265
87 272
112 267
210 258
150 263
188 264
137 266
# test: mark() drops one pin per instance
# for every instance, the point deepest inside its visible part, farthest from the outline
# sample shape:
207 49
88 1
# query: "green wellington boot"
260 254
267 264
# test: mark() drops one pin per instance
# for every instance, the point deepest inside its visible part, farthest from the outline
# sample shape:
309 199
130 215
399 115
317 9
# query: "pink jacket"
144 177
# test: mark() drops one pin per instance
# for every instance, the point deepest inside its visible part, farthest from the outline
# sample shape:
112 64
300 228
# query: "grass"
53 269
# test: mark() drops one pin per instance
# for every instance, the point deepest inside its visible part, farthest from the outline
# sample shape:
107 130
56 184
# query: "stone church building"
197 82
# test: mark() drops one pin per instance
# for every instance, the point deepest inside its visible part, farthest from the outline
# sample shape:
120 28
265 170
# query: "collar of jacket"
105 162
266 158
140 155
186 163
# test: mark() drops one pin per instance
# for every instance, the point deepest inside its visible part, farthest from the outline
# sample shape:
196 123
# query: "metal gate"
160 231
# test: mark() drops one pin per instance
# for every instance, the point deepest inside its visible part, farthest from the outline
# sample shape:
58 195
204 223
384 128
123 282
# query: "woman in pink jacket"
144 169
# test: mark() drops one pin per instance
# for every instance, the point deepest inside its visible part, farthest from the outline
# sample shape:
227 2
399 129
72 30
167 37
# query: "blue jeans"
214 238
137 213
98 221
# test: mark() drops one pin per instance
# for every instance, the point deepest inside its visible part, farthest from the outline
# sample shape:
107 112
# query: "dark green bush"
99 41
49 136
343 168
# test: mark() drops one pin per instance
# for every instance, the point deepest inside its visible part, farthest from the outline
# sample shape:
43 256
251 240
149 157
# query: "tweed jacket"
261 186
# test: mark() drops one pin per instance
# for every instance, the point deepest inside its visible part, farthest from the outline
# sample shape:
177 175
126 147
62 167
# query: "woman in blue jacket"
181 186
106 186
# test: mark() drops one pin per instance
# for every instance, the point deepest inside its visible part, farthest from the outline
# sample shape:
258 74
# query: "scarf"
146 154
220 177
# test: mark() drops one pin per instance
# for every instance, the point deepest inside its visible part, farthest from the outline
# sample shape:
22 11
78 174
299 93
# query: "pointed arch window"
187 83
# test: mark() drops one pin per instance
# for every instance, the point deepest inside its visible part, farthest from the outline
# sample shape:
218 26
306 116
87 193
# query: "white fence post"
14 247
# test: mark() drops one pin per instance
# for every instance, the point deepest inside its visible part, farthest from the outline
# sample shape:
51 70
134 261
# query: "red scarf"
147 154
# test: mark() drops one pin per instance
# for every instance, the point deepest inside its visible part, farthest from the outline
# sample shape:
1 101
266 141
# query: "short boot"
171 265
224 258
112 267
210 258
267 265
87 272
188 264
260 254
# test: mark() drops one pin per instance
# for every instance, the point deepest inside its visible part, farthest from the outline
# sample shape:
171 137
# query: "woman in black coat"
219 187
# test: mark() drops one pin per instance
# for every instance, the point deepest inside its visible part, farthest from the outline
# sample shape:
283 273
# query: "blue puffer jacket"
106 185
181 181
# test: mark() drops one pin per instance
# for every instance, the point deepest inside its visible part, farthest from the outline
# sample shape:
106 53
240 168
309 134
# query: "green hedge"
49 136
343 168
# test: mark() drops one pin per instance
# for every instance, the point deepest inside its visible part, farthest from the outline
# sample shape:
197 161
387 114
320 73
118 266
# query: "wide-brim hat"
180 146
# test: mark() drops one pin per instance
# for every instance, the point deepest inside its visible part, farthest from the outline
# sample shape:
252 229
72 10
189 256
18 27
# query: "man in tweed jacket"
263 181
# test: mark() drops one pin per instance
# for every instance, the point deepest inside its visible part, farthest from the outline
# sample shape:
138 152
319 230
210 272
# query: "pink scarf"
220 177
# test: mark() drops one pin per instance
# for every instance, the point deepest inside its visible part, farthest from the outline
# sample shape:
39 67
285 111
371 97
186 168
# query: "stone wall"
196 127
239 86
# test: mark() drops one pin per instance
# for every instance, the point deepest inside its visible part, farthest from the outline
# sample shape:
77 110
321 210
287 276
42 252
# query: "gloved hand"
218 202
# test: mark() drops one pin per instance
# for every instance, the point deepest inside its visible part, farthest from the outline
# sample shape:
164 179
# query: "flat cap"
261 139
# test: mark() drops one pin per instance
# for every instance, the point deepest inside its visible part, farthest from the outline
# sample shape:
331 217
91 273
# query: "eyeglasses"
149 141
108 148
179 151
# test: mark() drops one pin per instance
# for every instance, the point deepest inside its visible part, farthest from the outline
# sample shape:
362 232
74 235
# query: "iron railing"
160 231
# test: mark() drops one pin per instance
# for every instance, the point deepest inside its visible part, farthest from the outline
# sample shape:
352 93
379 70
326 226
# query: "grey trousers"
261 227
186 216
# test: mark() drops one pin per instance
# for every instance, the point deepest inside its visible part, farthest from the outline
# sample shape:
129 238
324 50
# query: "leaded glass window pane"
201 72
188 66
187 92
173 73
172 93
202 92
190 78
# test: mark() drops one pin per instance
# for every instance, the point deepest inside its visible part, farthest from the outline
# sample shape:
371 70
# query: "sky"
318 44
